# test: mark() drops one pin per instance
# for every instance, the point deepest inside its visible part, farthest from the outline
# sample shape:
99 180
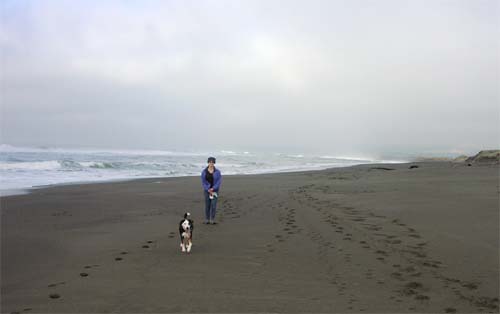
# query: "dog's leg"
190 244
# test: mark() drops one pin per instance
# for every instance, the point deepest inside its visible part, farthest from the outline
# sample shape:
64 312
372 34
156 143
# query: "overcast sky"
341 77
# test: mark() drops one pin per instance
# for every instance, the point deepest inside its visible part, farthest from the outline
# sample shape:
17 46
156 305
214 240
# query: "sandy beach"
364 239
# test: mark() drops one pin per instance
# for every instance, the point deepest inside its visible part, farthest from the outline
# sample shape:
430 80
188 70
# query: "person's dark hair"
211 159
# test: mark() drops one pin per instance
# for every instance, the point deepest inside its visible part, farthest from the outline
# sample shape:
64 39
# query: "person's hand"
211 190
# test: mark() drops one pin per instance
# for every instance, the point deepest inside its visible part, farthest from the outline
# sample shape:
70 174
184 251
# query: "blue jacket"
217 179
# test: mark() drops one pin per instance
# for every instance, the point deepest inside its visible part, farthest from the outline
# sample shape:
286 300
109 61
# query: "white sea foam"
35 165
365 159
228 152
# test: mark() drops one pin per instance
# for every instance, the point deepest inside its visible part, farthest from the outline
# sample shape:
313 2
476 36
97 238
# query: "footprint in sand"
147 246
52 285
433 264
414 285
409 269
421 297
410 289
90 266
470 286
54 296
397 275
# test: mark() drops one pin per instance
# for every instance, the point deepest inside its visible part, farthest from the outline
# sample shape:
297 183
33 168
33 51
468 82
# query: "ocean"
25 168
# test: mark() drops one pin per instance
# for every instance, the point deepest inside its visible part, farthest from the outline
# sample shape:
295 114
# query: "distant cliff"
485 156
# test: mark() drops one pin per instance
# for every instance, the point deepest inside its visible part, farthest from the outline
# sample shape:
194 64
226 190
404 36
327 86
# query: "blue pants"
210 207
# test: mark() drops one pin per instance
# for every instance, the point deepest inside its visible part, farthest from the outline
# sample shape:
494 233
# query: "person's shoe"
214 223
206 222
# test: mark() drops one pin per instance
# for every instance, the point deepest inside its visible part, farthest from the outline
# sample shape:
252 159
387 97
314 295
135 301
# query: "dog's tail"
186 215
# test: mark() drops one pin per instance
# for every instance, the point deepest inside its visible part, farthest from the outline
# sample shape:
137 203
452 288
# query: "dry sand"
360 239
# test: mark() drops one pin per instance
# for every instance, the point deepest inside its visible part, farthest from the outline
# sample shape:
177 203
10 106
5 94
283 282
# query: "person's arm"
217 181
204 182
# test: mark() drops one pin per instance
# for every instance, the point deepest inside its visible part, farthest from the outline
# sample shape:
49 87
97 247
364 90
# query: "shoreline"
351 239
28 190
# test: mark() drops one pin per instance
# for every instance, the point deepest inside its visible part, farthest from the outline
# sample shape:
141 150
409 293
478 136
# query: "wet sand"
371 238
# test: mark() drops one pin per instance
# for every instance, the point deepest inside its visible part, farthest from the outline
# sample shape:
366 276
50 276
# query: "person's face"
211 163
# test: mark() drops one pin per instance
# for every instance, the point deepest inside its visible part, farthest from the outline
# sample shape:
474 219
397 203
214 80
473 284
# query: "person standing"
211 179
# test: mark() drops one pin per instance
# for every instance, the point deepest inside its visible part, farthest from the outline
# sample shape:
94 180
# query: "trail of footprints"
287 220
229 209
410 250
54 288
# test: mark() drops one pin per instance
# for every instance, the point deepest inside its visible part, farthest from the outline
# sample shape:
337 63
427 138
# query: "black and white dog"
186 227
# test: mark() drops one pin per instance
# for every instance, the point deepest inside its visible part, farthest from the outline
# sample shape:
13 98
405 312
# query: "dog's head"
186 224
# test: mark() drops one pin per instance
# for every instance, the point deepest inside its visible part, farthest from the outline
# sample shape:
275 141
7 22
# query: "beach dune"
370 238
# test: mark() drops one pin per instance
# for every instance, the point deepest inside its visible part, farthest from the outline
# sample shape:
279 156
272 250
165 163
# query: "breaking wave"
22 168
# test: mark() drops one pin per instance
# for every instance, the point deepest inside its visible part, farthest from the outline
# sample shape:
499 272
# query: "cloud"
321 75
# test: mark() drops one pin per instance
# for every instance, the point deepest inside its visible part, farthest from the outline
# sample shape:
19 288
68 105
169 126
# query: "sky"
339 77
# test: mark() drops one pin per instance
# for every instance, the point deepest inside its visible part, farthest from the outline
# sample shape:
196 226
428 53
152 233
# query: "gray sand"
342 240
